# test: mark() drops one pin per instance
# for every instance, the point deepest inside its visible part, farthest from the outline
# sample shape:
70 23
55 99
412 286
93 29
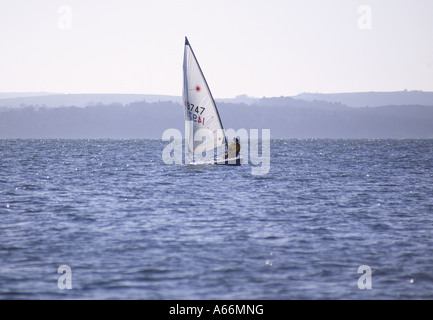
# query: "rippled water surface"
131 227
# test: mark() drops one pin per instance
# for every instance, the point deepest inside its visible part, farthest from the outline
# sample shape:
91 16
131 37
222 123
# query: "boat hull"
229 162
225 162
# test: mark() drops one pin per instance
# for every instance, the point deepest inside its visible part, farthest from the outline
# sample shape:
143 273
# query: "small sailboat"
201 116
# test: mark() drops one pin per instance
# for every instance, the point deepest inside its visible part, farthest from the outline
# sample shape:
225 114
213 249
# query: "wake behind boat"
202 119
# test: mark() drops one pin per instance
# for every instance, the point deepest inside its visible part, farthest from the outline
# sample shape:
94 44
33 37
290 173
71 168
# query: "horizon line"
47 93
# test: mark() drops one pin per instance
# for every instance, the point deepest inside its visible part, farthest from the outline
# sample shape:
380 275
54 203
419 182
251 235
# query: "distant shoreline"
352 99
286 118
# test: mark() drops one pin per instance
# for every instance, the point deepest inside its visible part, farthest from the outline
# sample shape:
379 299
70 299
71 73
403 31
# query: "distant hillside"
286 117
321 120
356 99
372 99
137 120
79 100
239 99
11 95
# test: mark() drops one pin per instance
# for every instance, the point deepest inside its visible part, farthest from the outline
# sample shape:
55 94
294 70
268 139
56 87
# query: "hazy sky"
259 48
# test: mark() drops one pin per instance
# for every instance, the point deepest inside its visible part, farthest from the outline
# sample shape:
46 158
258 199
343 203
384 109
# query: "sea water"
129 226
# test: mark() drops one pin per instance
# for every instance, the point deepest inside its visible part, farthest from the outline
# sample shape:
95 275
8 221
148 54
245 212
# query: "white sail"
201 114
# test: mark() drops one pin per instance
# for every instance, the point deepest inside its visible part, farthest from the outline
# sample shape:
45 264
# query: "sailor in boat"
233 149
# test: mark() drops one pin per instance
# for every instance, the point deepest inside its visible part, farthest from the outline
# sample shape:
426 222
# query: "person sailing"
233 149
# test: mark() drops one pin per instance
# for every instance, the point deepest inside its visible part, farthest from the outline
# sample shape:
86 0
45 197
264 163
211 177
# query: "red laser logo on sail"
197 88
